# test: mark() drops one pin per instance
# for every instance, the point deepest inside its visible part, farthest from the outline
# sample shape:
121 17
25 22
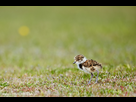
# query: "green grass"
40 64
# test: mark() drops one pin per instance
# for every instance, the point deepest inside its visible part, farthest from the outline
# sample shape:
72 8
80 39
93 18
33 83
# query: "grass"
40 64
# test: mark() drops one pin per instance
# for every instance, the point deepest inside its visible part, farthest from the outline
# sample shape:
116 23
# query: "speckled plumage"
88 66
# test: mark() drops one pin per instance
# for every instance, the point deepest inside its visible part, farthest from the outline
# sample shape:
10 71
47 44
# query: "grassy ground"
40 64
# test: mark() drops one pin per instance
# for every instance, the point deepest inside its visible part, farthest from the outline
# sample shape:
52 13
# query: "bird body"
88 66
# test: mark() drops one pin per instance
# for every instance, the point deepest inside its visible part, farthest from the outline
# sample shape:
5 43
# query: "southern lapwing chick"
89 66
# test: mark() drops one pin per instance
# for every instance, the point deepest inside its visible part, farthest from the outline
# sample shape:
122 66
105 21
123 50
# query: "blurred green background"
106 34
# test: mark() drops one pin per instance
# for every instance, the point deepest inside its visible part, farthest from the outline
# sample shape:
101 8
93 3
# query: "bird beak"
74 62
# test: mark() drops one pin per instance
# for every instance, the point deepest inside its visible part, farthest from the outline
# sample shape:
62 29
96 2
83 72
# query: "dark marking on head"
79 57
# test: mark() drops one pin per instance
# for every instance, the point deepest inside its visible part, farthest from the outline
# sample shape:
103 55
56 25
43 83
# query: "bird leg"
91 78
97 76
